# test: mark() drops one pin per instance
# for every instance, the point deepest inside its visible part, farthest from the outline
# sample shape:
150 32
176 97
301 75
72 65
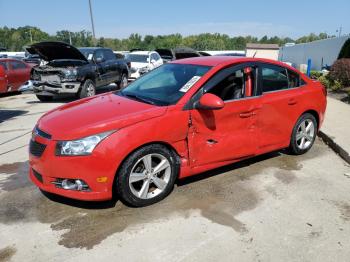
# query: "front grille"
36 149
38 176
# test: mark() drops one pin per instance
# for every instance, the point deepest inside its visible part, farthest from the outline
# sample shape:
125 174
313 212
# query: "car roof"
224 60
140 52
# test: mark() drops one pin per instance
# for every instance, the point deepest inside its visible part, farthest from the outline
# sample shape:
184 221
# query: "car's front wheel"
304 134
87 89
147 175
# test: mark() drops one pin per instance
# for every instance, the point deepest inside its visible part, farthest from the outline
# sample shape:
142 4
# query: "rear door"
229 133
281 98
111 64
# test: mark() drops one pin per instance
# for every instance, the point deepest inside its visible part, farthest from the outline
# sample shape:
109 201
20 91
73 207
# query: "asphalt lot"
274 207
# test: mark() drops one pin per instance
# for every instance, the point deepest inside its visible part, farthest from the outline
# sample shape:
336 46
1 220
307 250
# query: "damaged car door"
228 133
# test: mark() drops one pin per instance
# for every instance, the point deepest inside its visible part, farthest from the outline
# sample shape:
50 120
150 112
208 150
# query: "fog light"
70 86
71 184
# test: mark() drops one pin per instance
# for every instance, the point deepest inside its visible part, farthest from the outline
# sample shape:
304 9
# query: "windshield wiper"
138 98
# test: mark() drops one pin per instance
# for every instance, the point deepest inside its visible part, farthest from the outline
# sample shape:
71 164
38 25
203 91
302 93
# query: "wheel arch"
315 114
163 143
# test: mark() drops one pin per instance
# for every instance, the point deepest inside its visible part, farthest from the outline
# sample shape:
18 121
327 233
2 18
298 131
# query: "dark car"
75 71
178 53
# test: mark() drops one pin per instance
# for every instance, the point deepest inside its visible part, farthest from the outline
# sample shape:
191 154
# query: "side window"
294 79
238 84
109 55
274 78
4 65
99 55
157 57
16 65
153 57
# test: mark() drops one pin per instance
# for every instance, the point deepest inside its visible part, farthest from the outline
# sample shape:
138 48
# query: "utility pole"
92 21
70 38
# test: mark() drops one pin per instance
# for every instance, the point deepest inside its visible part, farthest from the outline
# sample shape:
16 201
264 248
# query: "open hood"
56 50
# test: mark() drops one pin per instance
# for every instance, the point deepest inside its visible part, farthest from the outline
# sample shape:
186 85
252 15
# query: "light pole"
92 21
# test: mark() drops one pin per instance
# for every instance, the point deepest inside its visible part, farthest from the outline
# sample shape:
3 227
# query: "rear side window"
4 65
109 55
294 79
17 65
274 78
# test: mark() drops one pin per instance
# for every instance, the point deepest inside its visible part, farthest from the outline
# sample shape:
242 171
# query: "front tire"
303 135
43 98
88 89
147 176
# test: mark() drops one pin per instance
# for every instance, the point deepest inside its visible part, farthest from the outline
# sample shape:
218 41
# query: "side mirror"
210 102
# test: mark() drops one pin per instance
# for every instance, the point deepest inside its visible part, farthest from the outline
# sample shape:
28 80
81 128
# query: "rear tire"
88 89
303 135
147 176
123 82
43 98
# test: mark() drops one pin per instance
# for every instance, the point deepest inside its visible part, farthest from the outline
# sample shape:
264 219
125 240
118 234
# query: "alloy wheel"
90 90
150 176
305 134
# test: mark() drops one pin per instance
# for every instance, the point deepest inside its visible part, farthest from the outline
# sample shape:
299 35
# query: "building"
322 53
269 51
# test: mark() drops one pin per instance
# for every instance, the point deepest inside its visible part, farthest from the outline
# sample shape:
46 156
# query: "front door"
229 133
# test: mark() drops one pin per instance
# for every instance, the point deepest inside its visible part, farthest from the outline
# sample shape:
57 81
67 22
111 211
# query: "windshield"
88 53
164 85
137 58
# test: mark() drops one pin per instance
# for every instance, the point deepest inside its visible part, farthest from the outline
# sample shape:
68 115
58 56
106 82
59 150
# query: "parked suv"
75 71
142 62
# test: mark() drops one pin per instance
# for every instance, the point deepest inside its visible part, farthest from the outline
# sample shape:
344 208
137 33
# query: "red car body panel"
14 77
203 139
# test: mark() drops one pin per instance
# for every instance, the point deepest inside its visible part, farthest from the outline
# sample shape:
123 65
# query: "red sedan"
178 120
13 74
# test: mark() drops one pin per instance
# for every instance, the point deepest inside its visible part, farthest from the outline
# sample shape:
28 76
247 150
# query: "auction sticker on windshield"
189 84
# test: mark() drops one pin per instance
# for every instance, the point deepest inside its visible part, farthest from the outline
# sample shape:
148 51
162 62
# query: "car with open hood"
75 71
182 118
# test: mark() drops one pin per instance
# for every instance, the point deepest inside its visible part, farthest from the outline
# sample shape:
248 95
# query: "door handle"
292 102
246 114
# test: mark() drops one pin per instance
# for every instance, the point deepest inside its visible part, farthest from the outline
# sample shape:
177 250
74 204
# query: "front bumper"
47 168
40 87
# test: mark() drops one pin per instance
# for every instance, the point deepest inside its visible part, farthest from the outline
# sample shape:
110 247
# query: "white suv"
143 62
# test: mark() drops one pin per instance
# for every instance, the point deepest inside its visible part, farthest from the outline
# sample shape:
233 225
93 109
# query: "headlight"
144 70
80 147
70 73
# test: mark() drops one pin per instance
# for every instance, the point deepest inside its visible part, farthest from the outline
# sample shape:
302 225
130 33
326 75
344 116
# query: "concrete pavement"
274 207
336 127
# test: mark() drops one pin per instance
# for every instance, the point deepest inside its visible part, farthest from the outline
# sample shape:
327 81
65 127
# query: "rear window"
274 78
16 65
4 65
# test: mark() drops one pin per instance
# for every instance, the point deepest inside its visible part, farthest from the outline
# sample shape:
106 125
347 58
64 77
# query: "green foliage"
315 74
340 71
14 39
325 82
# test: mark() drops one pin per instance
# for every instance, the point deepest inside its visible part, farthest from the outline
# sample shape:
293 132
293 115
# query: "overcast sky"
121 18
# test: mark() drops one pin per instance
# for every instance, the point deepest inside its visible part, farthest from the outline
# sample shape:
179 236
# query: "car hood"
56 50
96 115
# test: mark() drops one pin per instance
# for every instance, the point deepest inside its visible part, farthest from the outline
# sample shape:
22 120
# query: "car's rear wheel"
304 134
43 98
88 89
123 82
147 176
